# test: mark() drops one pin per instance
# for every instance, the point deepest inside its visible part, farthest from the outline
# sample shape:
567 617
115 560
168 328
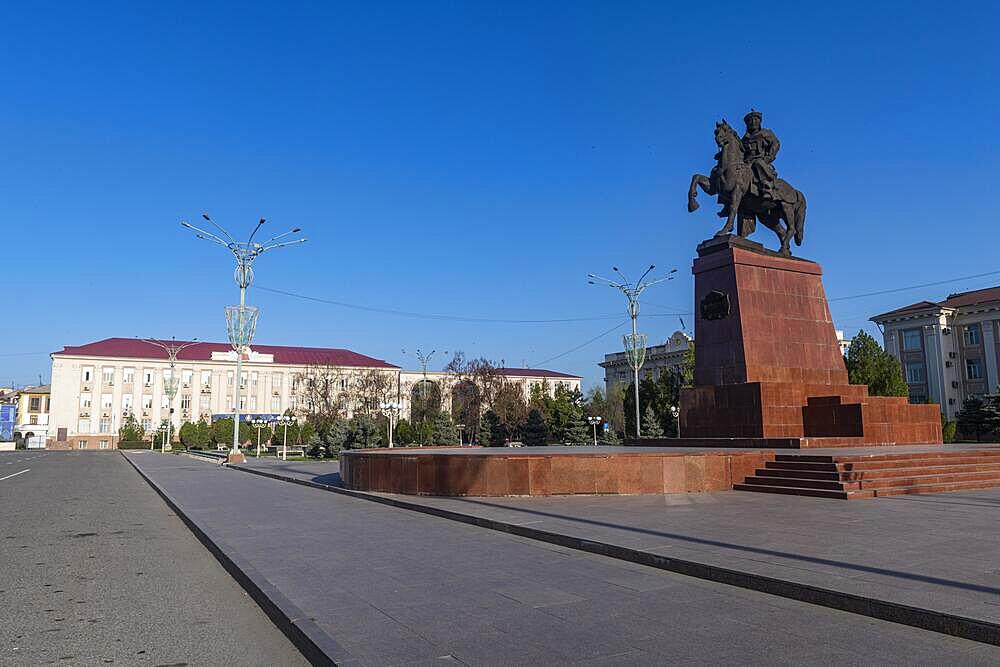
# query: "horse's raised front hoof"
692 204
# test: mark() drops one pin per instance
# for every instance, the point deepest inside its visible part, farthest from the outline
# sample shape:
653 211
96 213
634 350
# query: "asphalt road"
96 569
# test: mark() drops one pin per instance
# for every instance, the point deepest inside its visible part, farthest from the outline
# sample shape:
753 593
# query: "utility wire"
581 345
432 316
903 289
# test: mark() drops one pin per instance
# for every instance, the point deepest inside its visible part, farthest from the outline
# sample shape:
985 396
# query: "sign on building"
7 418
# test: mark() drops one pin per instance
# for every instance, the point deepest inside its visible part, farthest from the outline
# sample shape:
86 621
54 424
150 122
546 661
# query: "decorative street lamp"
259 423
173 348
460 427
594 421
285 420
164 429
675 411
635 343
391 409
241 320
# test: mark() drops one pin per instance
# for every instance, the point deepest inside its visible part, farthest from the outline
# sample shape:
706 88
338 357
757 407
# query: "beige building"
32 425
949 349
95 386
667 357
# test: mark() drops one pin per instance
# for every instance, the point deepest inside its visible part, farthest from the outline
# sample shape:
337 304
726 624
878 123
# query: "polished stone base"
769 366
544 471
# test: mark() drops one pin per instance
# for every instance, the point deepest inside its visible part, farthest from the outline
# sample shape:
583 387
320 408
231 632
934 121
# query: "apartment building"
95 386
949 349
667 357
32 416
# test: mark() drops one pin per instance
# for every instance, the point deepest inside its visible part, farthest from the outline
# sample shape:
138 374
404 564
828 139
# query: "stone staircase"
874 475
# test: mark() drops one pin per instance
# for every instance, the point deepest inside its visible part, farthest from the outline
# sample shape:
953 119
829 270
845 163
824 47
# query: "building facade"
949 350
97 385
32 417
667 357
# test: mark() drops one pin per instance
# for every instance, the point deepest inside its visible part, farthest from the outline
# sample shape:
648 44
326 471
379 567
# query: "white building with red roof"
94 386
949 349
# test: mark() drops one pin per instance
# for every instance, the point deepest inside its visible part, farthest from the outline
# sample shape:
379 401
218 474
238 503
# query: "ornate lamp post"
285 420
164 428
259 424
391 409
594 421
675 411
635 343
172 349
241 320
460 427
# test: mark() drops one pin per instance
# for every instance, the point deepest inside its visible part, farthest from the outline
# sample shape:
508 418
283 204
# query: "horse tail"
800 218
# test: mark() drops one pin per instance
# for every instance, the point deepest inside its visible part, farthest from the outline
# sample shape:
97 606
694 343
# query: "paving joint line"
942 622
318 647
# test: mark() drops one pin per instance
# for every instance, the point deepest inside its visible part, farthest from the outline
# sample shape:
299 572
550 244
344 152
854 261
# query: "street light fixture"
391 409
173 348
242 319
164 429
285 420
594 421
635 343
259 423
460 427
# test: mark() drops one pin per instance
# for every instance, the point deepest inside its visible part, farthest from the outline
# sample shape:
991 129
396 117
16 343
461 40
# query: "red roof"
535 372
957 300
972 298
134 348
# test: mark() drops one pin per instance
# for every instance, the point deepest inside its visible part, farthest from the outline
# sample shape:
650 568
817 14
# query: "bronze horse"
732 180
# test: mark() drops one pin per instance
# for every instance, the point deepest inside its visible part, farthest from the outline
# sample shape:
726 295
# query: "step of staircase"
869 476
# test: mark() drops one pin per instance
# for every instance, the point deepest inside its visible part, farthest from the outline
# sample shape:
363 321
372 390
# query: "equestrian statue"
748 187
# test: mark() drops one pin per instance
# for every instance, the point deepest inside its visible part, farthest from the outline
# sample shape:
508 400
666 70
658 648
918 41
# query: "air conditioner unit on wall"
951 401
952 355
948 364
954 384
946 331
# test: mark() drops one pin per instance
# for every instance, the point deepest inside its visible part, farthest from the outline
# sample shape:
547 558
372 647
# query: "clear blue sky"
475 159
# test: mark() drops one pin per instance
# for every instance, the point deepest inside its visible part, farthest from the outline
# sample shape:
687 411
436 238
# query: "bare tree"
321 392
370 387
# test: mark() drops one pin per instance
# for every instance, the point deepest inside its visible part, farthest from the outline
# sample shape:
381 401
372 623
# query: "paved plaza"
390 586
939 552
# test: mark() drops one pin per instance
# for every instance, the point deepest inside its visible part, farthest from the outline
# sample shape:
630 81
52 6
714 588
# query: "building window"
253 402
186 377
106 400
81 444
88 374
34 404
974 369
164 402
972 335
243 380
203 404
104 426
127 403
276 381
229 378
147 402
253 380
83 426
147 377
275 404
911 340
85 401
128 375
915 372
33 419
186 402
206 378
108 376
146 425
102 444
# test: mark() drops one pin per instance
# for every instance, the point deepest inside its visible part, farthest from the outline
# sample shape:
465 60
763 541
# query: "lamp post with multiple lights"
594 421
391 409
241 320
172 349
259 424
285 420
635 343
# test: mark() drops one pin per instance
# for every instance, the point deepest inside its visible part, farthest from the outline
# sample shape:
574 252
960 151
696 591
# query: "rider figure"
760 147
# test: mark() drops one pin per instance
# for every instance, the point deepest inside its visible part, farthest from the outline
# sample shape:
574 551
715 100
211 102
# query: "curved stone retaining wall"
545 471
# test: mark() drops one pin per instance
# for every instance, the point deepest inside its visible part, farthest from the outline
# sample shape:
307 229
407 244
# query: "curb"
925 619
316 646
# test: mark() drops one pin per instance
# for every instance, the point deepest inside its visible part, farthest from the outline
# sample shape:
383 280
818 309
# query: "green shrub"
133 444
948 429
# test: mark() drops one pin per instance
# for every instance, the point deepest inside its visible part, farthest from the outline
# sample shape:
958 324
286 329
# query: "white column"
990 352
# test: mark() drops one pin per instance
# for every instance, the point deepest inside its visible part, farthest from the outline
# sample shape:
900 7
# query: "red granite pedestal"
769 371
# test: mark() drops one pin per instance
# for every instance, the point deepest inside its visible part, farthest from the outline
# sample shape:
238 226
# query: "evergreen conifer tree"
444 431
535 433
578 432
650 426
